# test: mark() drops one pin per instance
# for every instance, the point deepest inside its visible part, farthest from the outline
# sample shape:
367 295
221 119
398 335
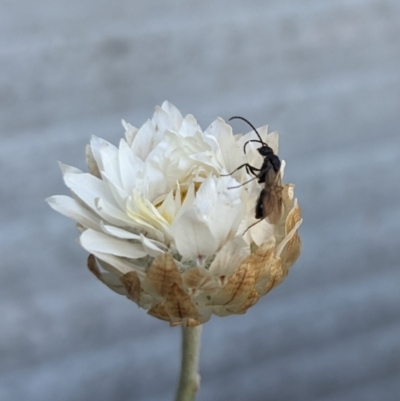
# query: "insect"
269 202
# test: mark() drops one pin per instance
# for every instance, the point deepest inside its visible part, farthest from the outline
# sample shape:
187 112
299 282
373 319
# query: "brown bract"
109 279
189 297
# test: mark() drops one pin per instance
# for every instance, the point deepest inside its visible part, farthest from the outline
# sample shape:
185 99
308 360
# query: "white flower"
164 221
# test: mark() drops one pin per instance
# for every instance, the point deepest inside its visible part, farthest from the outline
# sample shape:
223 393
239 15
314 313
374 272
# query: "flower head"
165 222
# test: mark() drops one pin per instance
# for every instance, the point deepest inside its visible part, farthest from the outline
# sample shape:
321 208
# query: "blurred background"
325 74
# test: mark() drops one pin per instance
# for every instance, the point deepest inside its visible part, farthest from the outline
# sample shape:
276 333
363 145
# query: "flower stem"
189 381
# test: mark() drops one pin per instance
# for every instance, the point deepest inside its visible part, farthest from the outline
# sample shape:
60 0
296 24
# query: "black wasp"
269 202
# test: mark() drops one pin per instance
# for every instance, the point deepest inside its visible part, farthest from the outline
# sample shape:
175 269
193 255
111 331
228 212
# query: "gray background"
326 74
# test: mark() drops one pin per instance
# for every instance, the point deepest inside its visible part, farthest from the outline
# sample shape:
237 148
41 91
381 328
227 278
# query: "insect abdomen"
260 205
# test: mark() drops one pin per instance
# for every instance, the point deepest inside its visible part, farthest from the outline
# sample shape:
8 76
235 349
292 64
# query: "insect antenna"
254 129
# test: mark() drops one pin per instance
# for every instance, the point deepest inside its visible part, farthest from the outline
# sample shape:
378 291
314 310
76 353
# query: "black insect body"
269 202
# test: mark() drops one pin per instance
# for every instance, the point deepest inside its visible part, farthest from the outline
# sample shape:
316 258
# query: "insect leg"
252 170
238 186
252 225
247 165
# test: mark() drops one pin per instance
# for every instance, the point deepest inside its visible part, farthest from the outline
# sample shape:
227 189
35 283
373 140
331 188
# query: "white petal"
71 208
230 152
69 169
229 257
161 120
154 181
130 132
118 193
208 161
115 216
272 140
282 169
112 213
130 165
94 241
259 233
263 131
119 232
142 143
153 248
178 198
141 209
91 162
193 238
96 144
88 188
117 265
219 204
109 158
188 201
175 116
167 208
189 126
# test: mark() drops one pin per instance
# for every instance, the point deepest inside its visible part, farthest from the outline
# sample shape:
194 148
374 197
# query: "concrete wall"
324 73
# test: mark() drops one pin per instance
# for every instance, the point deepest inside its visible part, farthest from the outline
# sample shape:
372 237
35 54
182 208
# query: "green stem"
189 381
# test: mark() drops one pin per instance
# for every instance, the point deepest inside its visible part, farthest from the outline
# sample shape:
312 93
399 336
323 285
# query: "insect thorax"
275 162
